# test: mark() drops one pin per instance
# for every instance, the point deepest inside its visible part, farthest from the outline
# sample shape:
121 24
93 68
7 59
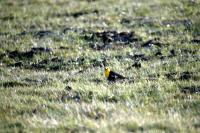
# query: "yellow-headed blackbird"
112 76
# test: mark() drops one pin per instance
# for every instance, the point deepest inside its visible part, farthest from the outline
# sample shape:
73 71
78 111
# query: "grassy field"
51 74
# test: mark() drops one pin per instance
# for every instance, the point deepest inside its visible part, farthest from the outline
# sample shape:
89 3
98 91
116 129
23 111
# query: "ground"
52 54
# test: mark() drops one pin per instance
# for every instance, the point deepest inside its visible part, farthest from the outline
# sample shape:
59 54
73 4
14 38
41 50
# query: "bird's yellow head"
106 72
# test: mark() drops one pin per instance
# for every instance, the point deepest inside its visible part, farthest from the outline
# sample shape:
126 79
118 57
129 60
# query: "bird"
111 75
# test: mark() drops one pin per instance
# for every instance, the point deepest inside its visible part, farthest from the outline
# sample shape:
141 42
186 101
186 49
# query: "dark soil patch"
125 21
50 64
23 33
12 84
28 54
20 55
139 57
53 64
188 51
148 43
140 21
46 33
17 64
171 76
64 48
185 75
158 53
41 49
77 14
172 53
68 88
7 18
182 76
197 41
152 42
191 89
136 64
41 34
56 64
2 55
113 36
4 33
107 39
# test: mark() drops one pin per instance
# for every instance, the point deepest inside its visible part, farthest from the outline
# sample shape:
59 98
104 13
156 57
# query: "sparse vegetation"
51 53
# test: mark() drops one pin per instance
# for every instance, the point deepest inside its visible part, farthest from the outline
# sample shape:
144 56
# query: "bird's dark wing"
115 75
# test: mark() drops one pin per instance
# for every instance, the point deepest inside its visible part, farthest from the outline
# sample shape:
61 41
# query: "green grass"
161 96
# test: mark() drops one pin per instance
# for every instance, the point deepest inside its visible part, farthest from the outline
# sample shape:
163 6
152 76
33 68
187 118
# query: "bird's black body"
113 76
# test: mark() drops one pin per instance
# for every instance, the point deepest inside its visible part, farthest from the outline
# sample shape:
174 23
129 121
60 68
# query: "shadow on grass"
182 76
12 84
190 90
